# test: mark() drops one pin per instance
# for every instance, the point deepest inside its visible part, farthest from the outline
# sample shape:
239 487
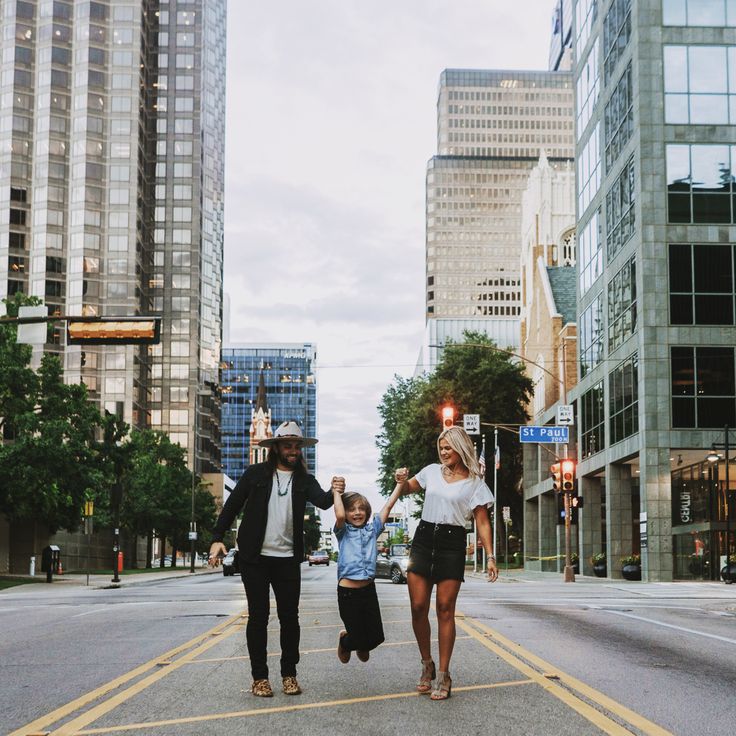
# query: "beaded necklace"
288 485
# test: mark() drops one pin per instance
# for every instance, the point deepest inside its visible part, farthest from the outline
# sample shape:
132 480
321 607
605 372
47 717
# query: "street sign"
506 513
192 536
471 423
543 434
565 416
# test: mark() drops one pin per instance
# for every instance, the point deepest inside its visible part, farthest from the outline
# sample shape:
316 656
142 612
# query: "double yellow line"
602 711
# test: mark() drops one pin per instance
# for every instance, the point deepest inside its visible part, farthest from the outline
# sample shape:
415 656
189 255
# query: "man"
271 546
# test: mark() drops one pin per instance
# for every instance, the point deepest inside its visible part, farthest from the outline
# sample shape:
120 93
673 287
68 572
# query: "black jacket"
253 491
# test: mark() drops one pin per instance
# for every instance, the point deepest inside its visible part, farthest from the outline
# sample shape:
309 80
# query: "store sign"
686 516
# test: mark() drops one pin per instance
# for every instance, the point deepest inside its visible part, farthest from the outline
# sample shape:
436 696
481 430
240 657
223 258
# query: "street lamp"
193 524
714 457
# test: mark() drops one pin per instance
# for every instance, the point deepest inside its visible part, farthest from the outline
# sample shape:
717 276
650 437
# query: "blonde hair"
351 498
459 440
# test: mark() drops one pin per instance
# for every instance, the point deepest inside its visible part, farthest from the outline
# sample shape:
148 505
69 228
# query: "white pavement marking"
669 626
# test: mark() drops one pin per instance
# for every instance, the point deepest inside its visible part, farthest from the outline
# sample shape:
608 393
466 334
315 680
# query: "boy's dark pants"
282 574
361 615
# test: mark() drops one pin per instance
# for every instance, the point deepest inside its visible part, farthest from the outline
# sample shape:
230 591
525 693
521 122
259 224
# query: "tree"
475 377
312 534
51 453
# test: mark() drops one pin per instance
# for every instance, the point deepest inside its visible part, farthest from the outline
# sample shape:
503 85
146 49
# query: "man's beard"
289 461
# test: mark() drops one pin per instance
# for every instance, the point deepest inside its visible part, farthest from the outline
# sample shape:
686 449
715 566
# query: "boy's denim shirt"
358 551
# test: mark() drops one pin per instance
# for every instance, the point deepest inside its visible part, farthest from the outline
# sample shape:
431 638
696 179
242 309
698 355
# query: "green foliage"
476 377
631 560
598 558
312 535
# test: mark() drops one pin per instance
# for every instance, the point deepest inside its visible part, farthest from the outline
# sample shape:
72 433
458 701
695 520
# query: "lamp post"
713 457
193 524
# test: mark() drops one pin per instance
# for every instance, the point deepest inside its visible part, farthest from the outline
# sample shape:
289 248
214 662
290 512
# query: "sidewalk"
102 581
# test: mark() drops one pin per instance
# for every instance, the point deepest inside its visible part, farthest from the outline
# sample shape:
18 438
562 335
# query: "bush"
599 558
631 560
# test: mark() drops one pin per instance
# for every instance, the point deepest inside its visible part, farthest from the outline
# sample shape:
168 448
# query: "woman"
455 490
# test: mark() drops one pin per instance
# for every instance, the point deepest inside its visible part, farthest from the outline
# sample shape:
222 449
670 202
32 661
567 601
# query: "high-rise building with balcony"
111 194
273 379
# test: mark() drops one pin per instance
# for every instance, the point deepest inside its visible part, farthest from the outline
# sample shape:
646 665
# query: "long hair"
351 498
460 441
273 458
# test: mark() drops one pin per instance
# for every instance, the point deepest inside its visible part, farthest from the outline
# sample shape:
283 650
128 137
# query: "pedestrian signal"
555 469
448 417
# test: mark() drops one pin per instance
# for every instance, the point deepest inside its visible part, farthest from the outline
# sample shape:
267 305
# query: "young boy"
356 569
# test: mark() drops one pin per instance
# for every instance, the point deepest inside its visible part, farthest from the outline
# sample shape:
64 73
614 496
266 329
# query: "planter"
633 572
728 573
600 569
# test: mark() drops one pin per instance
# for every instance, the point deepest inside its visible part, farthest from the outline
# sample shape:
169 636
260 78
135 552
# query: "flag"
497 457
482 461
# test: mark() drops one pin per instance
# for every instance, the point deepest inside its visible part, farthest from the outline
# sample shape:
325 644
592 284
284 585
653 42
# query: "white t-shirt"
451 503
279 538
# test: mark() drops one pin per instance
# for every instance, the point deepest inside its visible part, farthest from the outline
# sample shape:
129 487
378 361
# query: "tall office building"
560 46
274 379
656 119
111 193
492 127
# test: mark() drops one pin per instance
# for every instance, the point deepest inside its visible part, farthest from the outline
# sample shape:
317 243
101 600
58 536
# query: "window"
593 430
591 336
700 84
699 183
587 89
623 391
616 35
622 305
701 284
620 215
698 13
589 170
703 387
619 118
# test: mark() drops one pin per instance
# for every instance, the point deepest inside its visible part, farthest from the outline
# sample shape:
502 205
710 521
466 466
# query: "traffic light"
568 476
448 416
556 477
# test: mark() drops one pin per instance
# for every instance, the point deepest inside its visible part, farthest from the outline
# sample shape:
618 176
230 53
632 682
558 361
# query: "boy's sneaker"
342 654
363 655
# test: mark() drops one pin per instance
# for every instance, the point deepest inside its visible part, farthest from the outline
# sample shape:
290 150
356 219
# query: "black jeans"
283 574
361 614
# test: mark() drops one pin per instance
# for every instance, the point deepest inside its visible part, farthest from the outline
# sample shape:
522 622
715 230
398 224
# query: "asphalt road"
533 656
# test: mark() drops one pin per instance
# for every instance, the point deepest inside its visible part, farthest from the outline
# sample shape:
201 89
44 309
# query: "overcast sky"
331 119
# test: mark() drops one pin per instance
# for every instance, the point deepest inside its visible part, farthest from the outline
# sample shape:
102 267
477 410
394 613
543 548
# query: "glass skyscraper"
289 372
111 194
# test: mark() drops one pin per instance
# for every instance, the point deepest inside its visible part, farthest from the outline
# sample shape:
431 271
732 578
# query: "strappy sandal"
428 674
444 687
261 689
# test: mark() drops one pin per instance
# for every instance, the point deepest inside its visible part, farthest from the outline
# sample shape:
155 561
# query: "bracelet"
491 557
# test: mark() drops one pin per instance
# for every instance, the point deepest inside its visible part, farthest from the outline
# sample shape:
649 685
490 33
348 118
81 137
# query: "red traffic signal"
556 477
568 476
448 416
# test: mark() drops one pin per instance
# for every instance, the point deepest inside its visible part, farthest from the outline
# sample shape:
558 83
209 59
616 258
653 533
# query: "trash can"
50 561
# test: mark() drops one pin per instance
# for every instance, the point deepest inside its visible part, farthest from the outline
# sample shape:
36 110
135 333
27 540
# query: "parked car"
319 557
393 564
230 562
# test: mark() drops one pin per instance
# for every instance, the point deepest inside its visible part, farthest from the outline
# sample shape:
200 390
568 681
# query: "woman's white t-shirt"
451 503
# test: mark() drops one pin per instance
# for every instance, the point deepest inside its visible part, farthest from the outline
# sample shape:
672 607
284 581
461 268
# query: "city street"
533 656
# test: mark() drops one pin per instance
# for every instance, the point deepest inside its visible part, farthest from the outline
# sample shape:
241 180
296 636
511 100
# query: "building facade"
656 229
286 375
492 127
111 189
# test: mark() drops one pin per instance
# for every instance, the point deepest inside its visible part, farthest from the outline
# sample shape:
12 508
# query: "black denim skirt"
438 552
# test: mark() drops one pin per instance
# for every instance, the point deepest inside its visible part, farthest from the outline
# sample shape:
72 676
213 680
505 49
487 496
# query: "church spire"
261 401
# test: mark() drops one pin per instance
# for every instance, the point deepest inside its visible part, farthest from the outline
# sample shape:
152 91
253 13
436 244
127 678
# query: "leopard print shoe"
261 689
291 686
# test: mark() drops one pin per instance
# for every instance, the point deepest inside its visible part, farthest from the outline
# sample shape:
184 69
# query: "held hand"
338 484
401 475
492 570
217 552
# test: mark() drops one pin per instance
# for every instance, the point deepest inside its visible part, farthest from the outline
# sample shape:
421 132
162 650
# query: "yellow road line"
286 709
74 726
517 652
210 660
40 724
